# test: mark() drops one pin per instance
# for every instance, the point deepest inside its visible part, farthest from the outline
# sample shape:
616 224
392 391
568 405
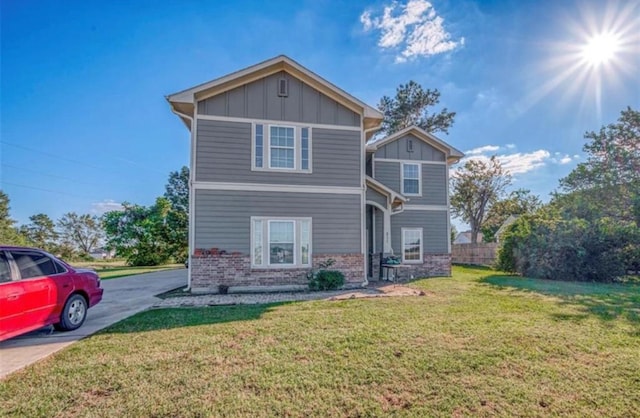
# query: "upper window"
412 245
282 148
276 147
280 242
411 179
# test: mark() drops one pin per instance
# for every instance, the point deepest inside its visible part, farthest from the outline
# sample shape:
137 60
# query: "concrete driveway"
122 298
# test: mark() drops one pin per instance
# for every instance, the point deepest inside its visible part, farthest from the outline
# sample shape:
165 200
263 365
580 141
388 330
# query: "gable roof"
453 154
182 102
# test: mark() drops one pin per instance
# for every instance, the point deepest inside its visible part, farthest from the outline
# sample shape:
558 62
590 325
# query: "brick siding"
214 268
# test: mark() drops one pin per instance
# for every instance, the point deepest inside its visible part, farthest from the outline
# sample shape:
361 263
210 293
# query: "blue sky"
85 125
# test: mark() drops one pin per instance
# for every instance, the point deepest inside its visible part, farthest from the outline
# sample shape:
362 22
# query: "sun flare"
600 49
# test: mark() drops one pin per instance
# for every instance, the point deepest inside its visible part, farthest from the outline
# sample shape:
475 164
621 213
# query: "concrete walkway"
122 298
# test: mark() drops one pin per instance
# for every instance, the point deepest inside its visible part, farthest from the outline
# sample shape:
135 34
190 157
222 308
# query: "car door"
11 298
40 292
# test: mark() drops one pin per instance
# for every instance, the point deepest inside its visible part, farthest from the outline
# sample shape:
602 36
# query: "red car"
37 289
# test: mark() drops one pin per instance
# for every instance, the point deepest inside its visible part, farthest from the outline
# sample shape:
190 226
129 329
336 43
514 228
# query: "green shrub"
548 246
325 279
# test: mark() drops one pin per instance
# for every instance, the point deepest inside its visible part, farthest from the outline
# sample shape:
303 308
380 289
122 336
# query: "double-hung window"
412 245
411 184
280 242
281 148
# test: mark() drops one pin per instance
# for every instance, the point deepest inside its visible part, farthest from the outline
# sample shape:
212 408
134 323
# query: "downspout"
365 283
184 115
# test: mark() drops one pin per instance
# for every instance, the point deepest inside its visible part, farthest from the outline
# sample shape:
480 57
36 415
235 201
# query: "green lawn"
115 269
477 344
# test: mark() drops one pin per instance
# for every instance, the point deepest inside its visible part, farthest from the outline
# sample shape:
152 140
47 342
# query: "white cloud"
510 146
417 29
482 150
516 163
559 158
105 206
519 162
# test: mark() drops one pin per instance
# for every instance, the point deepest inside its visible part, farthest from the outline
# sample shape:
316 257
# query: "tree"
41 232
177 193
411 106
9 235
140 234
83 231
591 229
475 188
519 202
454 233
177 189
608 183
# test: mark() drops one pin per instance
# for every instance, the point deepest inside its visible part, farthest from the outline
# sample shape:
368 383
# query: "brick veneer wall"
432 265
212 269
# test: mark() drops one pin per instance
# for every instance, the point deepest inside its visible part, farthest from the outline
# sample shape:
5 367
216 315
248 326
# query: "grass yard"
115 269
477 344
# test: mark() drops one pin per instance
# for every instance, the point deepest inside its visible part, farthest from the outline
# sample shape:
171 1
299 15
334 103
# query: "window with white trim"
411 179
280 148
412 245
280 242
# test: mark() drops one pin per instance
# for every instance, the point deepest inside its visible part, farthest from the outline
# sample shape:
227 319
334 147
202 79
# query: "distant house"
102 254
465 237
507 223
284 177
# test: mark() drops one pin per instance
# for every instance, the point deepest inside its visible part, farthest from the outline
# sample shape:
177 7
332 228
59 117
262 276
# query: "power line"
49 174
130 162
52 155
49 190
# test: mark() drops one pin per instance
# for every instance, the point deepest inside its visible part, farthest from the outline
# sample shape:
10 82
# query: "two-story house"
282 179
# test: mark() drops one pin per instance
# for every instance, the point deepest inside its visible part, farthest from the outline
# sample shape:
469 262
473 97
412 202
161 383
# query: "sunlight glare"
600 49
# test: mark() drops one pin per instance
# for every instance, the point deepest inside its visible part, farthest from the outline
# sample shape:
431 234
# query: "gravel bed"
259 298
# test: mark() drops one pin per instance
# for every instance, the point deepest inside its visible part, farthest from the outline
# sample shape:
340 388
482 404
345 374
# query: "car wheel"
73 314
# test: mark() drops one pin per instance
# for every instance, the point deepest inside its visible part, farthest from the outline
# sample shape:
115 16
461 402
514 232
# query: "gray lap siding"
223 154
434 181
434 224
222 218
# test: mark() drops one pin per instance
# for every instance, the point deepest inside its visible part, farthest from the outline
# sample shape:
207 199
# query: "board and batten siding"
398 150
259 100
434 181
223 154
434 224
223 218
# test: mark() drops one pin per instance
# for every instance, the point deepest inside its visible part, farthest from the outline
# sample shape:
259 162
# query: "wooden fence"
483 254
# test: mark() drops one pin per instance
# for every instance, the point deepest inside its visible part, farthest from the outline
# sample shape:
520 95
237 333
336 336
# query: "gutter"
184 115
